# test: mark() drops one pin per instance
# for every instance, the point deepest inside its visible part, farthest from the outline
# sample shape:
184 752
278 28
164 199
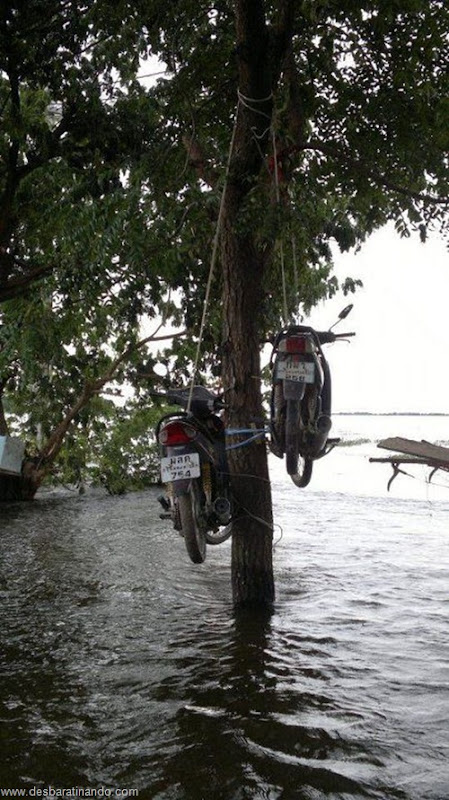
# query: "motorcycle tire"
298 467
277 424
217 537
302 477
193 529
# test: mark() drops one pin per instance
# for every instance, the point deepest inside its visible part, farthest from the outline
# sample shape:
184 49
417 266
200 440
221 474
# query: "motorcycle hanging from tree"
300 408
194 469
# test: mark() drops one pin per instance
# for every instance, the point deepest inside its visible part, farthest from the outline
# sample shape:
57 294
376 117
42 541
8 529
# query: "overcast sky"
399 359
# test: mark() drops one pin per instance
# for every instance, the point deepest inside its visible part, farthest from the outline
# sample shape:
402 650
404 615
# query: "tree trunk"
243 266
3 424
15 488
252 568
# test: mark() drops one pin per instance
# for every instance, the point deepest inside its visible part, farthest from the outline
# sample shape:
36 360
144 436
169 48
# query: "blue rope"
235 431
247 441
257 434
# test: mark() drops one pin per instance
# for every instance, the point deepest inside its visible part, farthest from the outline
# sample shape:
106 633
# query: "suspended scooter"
300 408
194 469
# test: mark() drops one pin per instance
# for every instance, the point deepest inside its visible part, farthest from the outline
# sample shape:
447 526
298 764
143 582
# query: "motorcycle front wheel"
298 467
193 527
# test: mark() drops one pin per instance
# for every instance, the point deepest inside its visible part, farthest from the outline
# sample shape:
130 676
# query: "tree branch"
197 159
91 388
359 165
16 287
261 52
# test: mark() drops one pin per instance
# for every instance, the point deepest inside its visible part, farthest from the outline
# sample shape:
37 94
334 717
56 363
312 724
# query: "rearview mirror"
343 314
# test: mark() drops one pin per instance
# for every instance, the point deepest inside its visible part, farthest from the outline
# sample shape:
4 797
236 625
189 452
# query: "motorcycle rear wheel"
193 528
298 467
217 537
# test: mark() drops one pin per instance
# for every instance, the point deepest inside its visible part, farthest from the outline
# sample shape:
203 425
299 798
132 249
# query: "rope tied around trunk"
250 104
213 259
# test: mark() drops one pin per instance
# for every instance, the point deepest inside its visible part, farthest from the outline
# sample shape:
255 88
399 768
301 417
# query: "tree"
341 125
76 245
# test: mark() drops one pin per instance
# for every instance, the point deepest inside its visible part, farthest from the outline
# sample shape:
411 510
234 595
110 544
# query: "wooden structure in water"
413 452
11 455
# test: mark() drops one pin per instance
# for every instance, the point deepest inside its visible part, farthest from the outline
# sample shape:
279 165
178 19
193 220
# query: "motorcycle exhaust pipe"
324 424
319 439
222 509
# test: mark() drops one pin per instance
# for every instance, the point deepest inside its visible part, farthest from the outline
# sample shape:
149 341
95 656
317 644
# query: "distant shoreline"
389 414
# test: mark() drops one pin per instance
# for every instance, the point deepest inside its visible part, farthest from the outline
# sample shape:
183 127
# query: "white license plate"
290 368
176 468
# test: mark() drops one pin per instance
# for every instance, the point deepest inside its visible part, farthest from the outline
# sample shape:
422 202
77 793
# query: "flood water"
124 666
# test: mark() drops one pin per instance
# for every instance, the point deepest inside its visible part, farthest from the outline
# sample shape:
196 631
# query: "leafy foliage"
116 451
110 185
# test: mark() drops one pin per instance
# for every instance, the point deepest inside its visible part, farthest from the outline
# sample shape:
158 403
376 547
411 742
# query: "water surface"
123 665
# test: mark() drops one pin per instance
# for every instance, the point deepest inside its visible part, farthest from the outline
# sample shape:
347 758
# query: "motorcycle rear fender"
199 445
293 390
183 486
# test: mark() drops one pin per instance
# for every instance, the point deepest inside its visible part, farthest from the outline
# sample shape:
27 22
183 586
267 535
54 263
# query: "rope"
212 262
281 245
236 431
262 521
247 102
295 269
255 100
247 441
246 475
257 433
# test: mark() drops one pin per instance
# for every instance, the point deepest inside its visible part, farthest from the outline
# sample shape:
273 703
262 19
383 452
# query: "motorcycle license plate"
176 468
291 368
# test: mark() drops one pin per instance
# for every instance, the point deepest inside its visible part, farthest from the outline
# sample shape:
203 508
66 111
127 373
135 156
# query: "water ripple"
124 665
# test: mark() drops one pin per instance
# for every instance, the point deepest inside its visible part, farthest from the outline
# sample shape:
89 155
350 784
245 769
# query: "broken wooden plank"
399 459
424 450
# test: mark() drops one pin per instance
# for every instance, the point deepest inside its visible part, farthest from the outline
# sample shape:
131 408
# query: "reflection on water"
124 665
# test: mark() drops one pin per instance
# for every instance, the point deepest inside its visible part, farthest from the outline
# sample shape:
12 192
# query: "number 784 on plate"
176 468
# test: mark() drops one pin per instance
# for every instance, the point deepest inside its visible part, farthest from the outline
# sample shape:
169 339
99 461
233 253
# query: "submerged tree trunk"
260 51
252 569
15 488
3 424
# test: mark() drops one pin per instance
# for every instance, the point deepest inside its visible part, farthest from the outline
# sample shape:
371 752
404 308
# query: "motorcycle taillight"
176 433
293 344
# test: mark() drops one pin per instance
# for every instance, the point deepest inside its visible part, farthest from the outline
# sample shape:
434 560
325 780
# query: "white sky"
399 359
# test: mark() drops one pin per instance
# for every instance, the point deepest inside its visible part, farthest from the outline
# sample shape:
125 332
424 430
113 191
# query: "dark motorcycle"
301 398
194 469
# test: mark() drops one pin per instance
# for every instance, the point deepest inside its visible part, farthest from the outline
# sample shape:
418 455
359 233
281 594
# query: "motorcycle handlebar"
327 337
203 401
